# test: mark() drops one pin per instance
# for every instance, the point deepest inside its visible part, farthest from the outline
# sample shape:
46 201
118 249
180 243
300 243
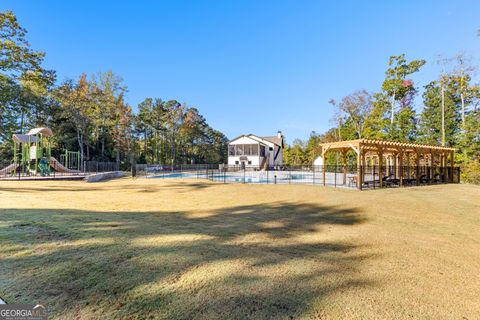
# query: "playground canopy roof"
384 146
47 132
24 138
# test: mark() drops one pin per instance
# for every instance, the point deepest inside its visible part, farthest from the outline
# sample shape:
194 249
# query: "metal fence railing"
100 166
51 168
368 177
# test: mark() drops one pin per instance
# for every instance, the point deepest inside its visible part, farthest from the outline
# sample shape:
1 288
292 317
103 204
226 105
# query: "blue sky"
248 66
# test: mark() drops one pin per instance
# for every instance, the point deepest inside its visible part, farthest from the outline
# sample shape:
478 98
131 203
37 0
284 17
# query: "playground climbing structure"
32 155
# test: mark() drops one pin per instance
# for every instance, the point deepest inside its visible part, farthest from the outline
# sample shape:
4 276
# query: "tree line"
449 116
90 114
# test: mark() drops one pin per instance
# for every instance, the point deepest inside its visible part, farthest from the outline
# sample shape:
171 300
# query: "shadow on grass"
261 261
185 185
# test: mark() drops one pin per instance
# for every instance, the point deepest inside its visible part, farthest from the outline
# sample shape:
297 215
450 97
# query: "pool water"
240 178
174 175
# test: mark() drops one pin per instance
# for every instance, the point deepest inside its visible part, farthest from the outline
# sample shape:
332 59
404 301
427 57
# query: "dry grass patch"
181 249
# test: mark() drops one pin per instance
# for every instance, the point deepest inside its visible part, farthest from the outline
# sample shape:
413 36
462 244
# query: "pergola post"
400 164
444 166
417 167
324 167
380 167
408 165
362 169
432 166
452 165
359 168
344 157
439 156
395 167
391 164
387 165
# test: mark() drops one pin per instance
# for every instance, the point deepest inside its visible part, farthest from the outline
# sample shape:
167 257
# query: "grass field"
182 249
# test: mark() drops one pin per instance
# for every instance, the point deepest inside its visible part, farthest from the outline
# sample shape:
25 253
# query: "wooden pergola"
396 155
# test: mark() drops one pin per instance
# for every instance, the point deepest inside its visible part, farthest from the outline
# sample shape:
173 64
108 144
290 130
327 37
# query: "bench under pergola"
397 155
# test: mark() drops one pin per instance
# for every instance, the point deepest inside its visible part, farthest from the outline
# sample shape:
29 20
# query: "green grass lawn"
182 249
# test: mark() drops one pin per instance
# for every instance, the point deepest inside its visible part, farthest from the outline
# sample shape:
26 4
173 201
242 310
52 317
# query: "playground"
191 248
33 160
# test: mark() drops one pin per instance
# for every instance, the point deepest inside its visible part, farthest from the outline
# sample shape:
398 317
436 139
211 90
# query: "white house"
251 151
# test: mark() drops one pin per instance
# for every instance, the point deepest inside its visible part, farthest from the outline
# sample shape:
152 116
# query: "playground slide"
8 169
57 166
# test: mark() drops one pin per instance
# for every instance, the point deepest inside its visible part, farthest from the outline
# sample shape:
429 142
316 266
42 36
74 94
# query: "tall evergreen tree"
431 116
405 124
377 122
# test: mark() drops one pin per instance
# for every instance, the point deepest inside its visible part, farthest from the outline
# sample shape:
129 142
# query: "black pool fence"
329 175
53 169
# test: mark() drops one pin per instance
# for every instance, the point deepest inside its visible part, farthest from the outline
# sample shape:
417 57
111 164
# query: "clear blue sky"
248 66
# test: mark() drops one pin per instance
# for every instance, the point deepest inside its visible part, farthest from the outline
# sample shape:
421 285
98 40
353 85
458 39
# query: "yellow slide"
58 167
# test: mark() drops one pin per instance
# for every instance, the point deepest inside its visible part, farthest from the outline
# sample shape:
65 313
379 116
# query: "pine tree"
404 128
431 116
377 122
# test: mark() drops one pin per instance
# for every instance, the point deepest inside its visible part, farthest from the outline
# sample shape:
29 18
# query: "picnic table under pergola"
403 161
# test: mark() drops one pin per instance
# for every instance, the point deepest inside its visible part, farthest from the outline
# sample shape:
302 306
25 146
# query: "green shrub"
471 172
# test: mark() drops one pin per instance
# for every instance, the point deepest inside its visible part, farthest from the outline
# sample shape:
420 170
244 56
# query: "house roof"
236 138
273 139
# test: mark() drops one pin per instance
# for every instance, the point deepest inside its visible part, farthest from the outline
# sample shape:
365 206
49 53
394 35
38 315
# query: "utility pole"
393 102
462 97
443 63
443 114
393 108
464 73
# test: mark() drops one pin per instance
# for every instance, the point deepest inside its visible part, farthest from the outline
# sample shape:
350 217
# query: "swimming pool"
245 177
175 175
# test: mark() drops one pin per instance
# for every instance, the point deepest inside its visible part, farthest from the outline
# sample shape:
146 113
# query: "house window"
249 162
231 150
239 150
254 149
247 149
